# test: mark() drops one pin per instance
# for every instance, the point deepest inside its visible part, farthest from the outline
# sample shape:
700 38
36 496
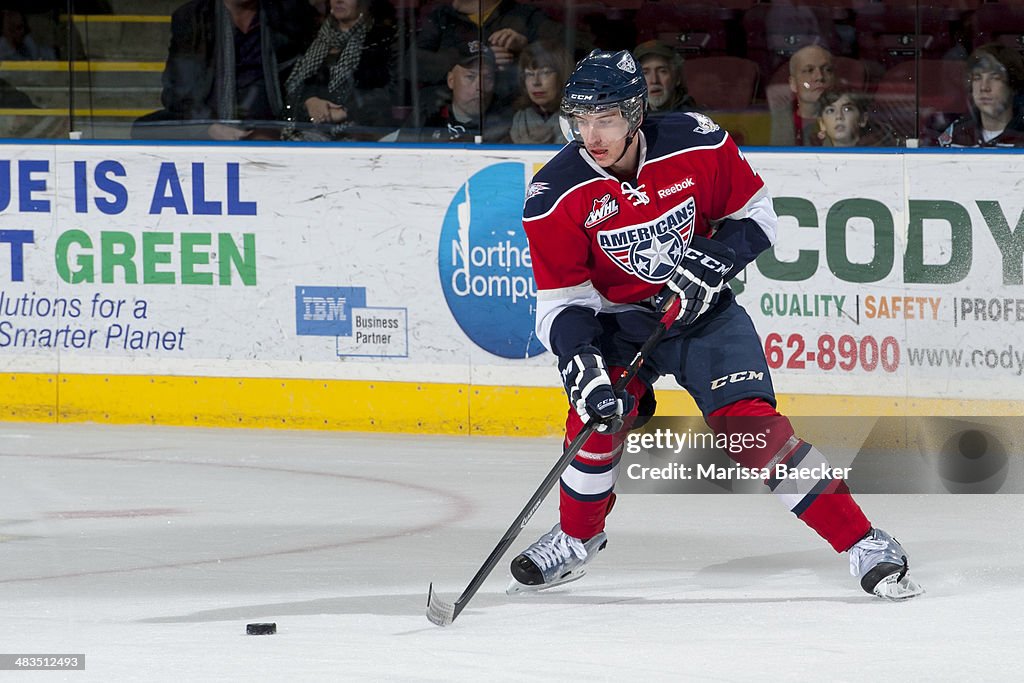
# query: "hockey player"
631 207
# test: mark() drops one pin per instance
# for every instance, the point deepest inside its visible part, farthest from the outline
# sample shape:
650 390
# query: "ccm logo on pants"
741 376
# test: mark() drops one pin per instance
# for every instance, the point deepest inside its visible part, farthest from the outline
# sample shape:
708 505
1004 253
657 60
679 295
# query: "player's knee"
764 432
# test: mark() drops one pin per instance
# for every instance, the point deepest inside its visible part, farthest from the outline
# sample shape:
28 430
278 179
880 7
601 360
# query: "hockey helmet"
603 81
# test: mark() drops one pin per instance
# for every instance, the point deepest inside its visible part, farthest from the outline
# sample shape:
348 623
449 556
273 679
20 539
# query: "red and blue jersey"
603 244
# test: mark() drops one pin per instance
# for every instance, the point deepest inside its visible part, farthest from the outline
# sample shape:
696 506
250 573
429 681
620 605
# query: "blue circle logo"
484 263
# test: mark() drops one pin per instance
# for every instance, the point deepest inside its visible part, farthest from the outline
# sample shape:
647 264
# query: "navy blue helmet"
606 80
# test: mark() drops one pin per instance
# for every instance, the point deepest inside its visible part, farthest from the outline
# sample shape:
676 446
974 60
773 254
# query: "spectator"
794 110
663 71
844 120
543 70
471 82
17 43
507 26
996 116
227 63
347 77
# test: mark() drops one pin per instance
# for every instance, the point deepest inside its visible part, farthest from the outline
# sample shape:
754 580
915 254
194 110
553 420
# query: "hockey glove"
700 277
590 390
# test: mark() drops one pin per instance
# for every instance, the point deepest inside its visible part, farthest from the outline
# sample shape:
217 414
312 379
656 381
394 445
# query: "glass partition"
785 72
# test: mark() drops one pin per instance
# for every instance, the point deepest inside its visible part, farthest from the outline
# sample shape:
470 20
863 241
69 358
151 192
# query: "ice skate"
881 564
554 559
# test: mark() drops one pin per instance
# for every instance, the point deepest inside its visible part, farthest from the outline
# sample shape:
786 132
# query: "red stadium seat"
608 25
692 30
888 35
937 86
998 23
721 82
775 32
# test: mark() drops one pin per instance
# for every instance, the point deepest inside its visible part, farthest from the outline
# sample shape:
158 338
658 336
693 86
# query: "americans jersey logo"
603 209
651 251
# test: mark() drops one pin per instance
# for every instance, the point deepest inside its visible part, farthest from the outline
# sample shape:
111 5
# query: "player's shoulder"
671 133
557 179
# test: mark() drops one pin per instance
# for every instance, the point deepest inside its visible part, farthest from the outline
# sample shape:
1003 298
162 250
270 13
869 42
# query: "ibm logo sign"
324 308
326 311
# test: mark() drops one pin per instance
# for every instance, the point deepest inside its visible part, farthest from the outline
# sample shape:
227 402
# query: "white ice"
149 549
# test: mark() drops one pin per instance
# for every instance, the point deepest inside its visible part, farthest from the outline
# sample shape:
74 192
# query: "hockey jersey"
606 245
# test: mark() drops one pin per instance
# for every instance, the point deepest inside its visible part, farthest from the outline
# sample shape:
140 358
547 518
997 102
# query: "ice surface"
149 549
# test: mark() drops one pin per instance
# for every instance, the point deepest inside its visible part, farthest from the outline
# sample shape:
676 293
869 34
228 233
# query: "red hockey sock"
825 505
585 492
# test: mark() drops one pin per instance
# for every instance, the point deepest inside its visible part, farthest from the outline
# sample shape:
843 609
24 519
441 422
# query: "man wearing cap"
995 75
471 81
663 71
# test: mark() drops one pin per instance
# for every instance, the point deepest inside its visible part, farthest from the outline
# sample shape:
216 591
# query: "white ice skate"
881 564
554 559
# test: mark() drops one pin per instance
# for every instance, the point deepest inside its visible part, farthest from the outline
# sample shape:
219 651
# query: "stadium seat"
738 5
721 82
604 24
937 86
886 34
698 30
775 32
998 23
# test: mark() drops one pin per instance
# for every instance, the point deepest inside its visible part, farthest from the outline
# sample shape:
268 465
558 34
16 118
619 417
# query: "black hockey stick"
442 612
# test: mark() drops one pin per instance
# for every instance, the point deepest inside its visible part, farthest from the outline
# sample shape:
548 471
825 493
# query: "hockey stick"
442 612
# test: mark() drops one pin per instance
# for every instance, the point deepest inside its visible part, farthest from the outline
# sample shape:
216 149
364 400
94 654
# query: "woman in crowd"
347 76
543 69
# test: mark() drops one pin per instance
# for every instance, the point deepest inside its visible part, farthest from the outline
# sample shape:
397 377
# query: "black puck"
267 629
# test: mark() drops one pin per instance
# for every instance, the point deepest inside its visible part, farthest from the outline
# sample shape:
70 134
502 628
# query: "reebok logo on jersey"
651 251
684 184
604 208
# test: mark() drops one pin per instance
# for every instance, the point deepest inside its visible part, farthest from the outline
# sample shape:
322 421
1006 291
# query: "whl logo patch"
651 251
603 209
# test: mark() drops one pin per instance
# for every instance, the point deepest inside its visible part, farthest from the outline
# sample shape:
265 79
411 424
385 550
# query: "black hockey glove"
700 277
590 390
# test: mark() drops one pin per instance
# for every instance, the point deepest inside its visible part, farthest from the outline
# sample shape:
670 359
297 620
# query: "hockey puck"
261 629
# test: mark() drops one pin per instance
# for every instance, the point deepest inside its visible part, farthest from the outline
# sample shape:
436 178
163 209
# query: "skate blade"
516 588
896 589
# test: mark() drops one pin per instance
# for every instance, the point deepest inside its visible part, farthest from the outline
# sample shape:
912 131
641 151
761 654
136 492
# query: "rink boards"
390 289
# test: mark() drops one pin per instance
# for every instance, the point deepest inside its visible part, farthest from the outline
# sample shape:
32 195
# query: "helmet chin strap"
625 147
629 140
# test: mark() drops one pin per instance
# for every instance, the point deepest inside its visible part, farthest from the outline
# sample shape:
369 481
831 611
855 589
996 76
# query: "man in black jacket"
227 63
996 115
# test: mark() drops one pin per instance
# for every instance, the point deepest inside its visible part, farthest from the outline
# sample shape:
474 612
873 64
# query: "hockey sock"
824 504
585 491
